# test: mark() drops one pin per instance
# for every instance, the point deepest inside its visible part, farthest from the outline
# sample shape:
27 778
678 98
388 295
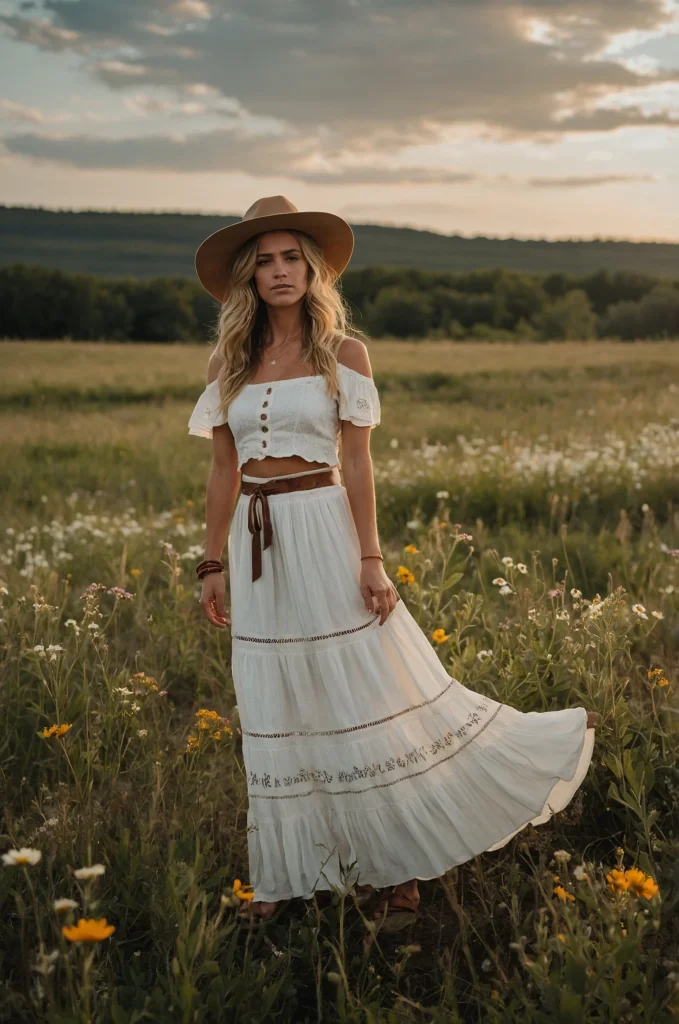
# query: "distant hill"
155 244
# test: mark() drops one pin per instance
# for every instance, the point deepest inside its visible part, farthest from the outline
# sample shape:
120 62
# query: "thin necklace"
272 361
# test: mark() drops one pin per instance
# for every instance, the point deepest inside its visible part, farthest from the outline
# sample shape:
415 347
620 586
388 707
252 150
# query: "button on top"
264 405
265 429
262 416
269 390
263 444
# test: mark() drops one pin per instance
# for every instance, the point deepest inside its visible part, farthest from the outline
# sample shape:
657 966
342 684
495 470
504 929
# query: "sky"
545 119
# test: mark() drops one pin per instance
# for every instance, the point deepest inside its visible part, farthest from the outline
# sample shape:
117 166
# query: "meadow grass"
562 478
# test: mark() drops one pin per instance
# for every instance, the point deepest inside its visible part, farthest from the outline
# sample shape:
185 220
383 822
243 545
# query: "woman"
366 762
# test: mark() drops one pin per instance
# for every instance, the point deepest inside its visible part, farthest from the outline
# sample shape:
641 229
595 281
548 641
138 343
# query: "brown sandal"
396 916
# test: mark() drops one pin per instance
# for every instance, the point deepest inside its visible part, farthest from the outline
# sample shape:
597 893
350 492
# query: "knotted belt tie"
258 525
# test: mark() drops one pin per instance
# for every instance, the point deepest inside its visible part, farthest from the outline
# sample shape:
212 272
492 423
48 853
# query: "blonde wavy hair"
243 320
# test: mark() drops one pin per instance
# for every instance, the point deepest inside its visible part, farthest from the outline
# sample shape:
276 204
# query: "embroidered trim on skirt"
366 761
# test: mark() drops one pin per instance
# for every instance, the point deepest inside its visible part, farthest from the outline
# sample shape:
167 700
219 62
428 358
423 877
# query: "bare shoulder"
354 354
213 367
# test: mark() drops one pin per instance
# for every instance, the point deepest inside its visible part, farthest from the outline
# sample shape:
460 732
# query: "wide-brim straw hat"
215 255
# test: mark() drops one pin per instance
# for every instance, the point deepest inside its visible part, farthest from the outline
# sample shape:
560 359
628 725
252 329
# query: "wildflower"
88 929
404 574
505 590
508 561
576 594
562 856
554 592
442 494
39 649
141 679
45 962
522 568
617 880
657 615
55 730
393 442
563 614
136 573
64 904
484 654
580 874
243 892
411 549
440 636
88 873
561 893
25 855
639 610
641 884
120 594
561 937
500 581
192 744
54 648
142 732
413 524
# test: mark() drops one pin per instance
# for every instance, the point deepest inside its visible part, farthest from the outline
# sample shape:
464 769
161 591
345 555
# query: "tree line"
40 302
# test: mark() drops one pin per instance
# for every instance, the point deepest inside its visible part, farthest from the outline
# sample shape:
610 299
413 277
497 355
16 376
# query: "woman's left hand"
379 593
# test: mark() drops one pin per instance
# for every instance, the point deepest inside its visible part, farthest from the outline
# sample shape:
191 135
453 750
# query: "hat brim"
214 256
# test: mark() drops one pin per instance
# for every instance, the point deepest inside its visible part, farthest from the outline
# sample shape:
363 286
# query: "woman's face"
281 271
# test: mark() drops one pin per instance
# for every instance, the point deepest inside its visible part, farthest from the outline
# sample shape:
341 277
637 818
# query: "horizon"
573 239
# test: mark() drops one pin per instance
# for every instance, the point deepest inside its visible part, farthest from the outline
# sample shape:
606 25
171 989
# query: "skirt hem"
564 788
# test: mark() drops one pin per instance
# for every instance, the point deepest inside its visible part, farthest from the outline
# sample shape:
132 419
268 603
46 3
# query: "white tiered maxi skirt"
367 763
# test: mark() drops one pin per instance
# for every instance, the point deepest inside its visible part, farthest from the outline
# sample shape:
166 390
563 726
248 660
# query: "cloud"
356 83
581 181
11 111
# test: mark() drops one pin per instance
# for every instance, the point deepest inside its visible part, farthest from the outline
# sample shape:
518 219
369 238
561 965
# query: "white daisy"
85 874
25 855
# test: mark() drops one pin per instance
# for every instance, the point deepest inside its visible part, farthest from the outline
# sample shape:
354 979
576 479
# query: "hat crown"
269 207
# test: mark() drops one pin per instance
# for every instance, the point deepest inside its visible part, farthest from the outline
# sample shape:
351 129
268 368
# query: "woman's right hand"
212 599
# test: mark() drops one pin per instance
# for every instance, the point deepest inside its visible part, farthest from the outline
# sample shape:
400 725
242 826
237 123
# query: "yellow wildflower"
136 573
561 893
641 884
179 519
440 636
88 929
411 549
404 574
243 892
55 730
561 937
617 880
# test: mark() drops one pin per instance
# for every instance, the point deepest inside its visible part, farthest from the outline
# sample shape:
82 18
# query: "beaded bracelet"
206 572
208 566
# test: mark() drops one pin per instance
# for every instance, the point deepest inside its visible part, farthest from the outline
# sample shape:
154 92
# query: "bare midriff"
280 466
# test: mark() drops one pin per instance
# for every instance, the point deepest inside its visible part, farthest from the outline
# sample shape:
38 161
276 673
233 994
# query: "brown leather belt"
260 492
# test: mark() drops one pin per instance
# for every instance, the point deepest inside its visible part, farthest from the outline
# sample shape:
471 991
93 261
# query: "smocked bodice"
290 417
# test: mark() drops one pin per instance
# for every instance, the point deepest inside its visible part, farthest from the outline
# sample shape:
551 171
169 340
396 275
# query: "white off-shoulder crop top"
290 417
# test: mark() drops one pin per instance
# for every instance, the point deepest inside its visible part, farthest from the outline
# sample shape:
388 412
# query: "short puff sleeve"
207 413
359 401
